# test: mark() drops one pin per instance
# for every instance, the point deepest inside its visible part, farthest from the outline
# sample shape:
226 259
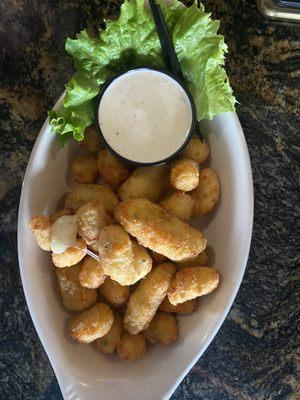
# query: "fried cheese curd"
190 283
122 259
147 297
159 230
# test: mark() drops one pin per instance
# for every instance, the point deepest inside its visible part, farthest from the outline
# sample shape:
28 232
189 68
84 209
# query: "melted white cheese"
63 233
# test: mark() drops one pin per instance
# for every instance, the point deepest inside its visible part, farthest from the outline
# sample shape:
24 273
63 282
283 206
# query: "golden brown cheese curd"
73 295
91 140
112 170
41 226
207 192
129 274
131 347
84 168
116 294
190 283
108 343
196 150
163 329
115 247
199 261
184 175
124 261
83 194
159 230
145 300
187 307
91 274
91 219
91 324
141 264
180 204
147 182
71 256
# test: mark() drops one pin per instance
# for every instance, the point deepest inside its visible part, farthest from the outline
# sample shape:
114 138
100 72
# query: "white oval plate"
82 372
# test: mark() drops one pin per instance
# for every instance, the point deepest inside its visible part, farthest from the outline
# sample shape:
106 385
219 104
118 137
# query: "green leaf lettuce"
132 41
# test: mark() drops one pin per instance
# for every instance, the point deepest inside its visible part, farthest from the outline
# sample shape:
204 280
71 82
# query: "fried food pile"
153 264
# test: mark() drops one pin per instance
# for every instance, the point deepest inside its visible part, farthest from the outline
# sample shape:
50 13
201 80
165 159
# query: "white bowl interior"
84 373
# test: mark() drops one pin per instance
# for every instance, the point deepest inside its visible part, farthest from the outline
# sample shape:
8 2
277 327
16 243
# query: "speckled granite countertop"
255 355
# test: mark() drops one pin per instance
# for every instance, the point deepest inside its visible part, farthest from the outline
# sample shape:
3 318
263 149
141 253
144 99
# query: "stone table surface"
255 355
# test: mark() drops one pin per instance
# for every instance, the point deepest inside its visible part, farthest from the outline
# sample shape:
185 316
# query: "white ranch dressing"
145 115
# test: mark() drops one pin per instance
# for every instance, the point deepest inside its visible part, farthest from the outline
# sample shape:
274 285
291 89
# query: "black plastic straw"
168 52
169 55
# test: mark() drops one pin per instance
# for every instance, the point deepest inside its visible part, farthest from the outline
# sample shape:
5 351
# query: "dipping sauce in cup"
145 116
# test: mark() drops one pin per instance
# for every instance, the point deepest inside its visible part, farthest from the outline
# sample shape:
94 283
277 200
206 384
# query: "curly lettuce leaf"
71 122
132 41
201 52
